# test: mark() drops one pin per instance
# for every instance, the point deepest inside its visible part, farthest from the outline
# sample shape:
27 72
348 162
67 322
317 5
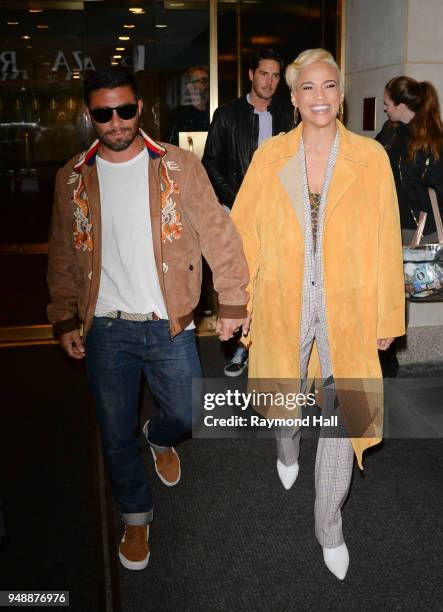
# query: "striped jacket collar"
154 148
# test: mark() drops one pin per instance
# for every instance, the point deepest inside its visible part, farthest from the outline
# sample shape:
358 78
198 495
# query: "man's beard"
264 95
123 142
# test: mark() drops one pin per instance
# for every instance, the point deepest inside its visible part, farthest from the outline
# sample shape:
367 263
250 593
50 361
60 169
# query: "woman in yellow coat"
318 215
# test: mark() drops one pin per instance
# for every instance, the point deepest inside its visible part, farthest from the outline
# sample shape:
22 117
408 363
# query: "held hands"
72 344
226 328
384 343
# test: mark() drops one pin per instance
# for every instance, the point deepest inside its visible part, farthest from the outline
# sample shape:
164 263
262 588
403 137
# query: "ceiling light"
42 27
117 56
161 25
137 11
123 37
75 76
36 10
26 37
12 22
120 48
265 41
129 26
114 63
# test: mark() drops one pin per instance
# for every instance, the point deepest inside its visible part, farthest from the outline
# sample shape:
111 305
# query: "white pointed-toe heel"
337 560
287 473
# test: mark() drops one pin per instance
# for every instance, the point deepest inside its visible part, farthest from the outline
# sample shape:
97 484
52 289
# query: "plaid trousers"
334 459
335 456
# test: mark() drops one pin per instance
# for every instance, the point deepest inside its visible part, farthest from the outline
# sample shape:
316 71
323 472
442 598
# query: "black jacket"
232 140
412 178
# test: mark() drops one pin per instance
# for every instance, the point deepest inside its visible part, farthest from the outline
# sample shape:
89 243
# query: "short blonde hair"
309 57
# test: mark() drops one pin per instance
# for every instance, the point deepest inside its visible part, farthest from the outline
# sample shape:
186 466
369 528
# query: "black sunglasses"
104 115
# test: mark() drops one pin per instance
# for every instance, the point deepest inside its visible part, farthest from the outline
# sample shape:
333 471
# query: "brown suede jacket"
187 221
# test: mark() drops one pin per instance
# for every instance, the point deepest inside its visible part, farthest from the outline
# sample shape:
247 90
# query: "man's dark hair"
108 78
266 54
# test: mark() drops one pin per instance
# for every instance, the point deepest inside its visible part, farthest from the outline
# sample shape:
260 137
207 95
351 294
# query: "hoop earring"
295 116
341 112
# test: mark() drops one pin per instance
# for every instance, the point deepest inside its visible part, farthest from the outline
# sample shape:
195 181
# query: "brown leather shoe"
134 549
167 466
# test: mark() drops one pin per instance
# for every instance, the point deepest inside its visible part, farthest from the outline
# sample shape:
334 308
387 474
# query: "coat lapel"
290 177
342 179
290 173
344 175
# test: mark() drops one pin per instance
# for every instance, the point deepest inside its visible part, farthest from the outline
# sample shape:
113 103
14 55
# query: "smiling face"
117 134
265 79
317 94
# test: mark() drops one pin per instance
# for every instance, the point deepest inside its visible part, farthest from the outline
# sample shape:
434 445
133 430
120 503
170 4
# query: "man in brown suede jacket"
131 219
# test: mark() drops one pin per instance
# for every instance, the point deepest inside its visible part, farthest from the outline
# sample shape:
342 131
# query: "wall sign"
10 70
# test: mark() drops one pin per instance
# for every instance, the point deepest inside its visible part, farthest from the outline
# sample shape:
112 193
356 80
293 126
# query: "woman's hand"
226 328
246 325
384 343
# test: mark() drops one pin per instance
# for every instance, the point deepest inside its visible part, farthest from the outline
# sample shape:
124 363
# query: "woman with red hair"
413 139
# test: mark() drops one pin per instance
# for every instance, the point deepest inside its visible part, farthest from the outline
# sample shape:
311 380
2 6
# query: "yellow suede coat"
362 264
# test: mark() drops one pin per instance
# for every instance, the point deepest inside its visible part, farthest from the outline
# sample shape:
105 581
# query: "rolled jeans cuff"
138 518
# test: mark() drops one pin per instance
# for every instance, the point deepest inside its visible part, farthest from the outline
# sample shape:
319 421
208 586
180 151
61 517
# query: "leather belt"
132 316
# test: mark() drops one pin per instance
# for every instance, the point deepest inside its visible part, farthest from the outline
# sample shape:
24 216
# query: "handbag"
423 263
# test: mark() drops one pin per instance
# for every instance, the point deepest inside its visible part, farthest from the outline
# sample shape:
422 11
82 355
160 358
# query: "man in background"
193 114
236 131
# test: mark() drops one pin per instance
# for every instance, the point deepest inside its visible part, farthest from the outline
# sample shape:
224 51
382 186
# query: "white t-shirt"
129 279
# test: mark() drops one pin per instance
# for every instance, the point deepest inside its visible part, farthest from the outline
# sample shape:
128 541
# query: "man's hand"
384 343
72 343
226 328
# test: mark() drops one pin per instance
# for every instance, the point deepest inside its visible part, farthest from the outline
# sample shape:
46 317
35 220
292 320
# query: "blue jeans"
117 352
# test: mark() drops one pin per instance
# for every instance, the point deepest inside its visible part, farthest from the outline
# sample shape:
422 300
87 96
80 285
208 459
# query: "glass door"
41 61
46 50
45 54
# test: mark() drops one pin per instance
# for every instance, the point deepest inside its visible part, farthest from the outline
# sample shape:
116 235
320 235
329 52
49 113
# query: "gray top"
264 122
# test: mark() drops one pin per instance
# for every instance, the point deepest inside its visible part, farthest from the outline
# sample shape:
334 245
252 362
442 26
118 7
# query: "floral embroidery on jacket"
171 220
81 227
